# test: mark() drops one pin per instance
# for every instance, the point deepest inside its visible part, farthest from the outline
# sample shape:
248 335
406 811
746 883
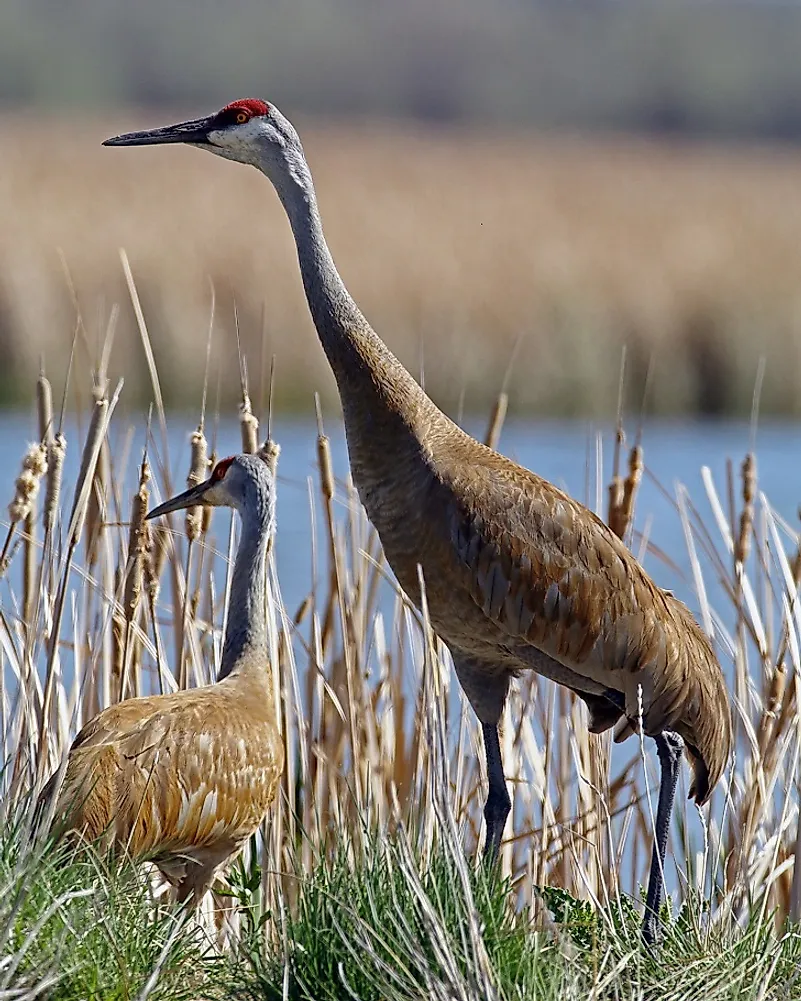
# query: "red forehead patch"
222 468
252 105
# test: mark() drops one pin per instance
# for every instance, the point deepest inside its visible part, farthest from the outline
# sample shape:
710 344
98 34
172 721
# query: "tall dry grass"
96 605
455 243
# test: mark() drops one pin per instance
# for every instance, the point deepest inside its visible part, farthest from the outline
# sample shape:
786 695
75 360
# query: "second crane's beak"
189 498
186 132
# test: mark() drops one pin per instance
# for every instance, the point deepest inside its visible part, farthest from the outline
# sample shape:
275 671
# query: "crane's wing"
550 573
552 576
188 772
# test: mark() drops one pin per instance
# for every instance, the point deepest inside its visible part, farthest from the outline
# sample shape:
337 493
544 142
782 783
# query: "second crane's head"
250 131
243 482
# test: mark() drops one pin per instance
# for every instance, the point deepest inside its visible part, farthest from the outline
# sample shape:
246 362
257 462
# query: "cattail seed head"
249 426
156 558
742 546
197 474
137 543
270 451
89 457
326 466
34 466
615 505
56 452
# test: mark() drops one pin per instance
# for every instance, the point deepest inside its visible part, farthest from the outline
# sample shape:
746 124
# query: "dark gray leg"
498 804
669 746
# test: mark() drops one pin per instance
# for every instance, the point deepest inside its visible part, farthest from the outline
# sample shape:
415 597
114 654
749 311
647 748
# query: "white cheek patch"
238 142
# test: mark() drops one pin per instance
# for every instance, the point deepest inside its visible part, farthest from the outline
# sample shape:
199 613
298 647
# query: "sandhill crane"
518 575
184 779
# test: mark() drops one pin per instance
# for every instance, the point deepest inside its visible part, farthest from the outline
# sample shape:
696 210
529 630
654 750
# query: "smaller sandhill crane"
184 779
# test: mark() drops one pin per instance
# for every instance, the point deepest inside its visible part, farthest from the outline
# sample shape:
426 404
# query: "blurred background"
577 175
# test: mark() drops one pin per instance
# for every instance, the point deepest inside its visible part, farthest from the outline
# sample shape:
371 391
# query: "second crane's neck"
245 646
372 382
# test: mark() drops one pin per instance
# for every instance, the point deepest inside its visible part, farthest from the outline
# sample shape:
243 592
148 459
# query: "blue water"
564 452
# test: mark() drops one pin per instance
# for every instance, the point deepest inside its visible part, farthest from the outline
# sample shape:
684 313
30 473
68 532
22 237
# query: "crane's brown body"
518 575
183 780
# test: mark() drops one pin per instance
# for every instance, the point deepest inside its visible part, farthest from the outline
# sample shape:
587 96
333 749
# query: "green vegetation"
382 926
362 884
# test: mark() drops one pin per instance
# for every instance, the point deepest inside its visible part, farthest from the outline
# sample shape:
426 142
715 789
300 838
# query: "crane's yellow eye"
242 117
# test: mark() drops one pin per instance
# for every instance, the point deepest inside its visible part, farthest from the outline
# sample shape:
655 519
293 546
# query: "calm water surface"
563 452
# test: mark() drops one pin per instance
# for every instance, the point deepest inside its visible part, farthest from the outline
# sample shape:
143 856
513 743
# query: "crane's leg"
498 804
486 686
669 746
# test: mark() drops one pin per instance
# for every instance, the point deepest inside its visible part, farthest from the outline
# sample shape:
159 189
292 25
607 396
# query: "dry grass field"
454 243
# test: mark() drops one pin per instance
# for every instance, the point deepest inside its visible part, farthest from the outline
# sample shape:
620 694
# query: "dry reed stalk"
44 408
133 582
98 427
29 574
497 418
326 474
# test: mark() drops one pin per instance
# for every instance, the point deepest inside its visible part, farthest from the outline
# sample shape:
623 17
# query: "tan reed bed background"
454 242
106 606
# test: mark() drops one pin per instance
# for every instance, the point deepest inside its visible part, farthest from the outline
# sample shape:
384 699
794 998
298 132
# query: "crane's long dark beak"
185 132
189 498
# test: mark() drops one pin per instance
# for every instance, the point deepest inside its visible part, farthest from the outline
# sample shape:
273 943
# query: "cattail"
249 425
56 452
137 543
89 457
156 558
34 466
44 408
743 544
631 485
613 518
497 417
29 566
96 504
197 474
206 511
270 451
325 464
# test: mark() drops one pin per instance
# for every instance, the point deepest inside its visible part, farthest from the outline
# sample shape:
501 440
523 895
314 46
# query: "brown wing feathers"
563 583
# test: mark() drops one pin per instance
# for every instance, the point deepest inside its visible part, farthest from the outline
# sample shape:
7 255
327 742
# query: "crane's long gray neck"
363 365
246 630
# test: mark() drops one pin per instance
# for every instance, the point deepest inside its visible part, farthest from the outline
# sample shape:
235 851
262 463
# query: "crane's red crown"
221 468
239 112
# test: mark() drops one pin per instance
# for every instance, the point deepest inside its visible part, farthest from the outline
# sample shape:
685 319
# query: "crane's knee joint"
669 746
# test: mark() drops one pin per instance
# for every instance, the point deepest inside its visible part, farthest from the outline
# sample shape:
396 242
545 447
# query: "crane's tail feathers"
701 785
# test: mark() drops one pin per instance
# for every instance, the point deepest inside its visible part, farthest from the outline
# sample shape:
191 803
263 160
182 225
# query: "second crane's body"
183 780
518 576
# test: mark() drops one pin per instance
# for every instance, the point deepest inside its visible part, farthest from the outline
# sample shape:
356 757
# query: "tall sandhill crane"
518 575
184 779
